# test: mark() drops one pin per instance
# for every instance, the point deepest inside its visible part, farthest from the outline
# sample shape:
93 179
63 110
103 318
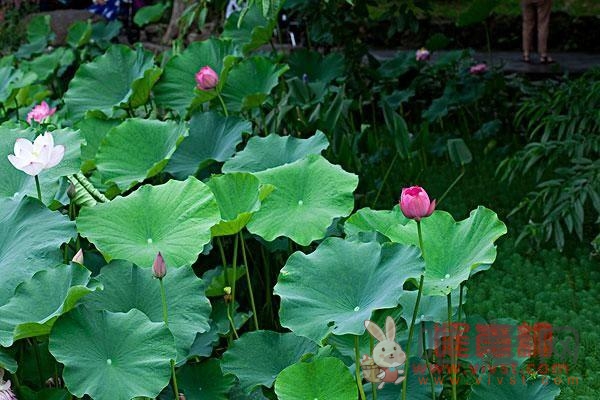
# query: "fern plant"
562 128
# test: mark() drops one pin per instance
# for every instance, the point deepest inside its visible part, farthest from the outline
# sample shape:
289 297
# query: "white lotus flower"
33 158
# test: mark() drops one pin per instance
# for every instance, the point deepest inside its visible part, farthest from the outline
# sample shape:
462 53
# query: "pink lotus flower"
33 158
415 204
40 112
6 392
206 78
159 268
422 54
478 69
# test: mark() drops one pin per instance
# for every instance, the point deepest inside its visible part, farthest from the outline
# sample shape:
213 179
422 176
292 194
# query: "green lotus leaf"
338 286
143 87
204 381
253 30
46 64
7 362
453 250
79 33
216 282
176 88
502 386
315 66
273 151
249 83
137 149
256 358
31 238
325 378
174 218
188 308
237 195
44 394
38 301
148 14
212 137
93 129
112 355
12 80
105 83
308 195
431 308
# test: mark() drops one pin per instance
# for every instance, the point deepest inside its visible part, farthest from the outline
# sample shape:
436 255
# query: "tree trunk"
173 28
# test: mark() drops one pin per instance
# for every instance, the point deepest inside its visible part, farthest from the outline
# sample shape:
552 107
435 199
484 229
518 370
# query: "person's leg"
528 9
543 21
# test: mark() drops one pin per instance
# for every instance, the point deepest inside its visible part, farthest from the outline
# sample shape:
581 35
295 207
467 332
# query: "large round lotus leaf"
112 355
204 381
250 82
176 87
325 378
501 386
107 82
188 308
256 358
15 183
137 149
337 287
31 238
39 301
452 249
212 137
308 195
274 150
237 195
174 218
312 65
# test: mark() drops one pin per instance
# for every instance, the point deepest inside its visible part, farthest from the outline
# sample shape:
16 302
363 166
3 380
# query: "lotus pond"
223 220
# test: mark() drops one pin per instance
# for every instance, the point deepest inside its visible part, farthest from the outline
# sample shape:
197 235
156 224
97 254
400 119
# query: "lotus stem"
373 386
248 281
37 186
224 262
427 360
458 178
361 391
411 329
451 334
163 297
222 104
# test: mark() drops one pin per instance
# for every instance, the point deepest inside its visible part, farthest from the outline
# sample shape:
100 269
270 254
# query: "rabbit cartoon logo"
388 357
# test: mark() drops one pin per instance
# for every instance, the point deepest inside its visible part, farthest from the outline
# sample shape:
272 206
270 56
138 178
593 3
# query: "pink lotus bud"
422 54
40 112
206 78
159 268
415 204
478 69
78 257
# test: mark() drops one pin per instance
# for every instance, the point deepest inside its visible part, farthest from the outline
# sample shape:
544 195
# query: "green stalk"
460 301
373 386
361 391
38 361
427 360
163 297
414 316
234 266
385 177
222 104
37 186
248 280
224 262
453 371
462 173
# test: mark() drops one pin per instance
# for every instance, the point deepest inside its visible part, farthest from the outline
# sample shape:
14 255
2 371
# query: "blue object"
109 10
